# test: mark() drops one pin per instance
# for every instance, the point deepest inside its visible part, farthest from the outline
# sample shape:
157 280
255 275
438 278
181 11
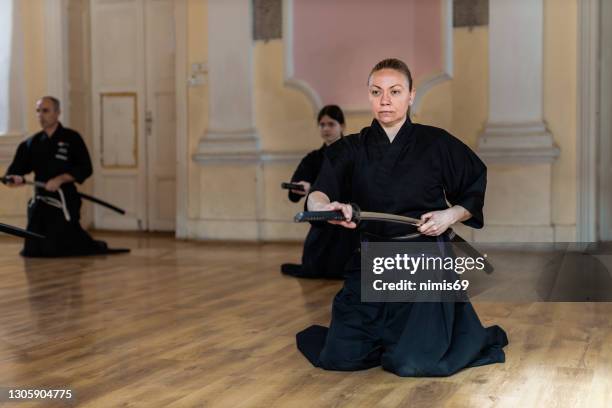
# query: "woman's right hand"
346 209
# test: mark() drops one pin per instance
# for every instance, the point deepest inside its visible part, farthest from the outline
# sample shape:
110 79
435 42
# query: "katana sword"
40 184
358 216
18 232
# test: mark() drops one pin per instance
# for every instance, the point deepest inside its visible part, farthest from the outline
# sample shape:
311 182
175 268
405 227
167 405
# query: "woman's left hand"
435 223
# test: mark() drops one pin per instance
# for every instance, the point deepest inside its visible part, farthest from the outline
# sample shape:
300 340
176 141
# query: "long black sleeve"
335 176
307 170
80 162
22 162
465 179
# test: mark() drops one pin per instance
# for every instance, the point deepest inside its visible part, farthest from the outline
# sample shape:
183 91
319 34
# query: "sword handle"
292 186
7 180
307 216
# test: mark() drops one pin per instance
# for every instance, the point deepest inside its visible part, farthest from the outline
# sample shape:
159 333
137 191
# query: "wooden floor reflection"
185 324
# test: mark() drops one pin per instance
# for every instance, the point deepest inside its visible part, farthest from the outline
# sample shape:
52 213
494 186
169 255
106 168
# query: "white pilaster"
56 47
230 77
12 96
230 174
516 131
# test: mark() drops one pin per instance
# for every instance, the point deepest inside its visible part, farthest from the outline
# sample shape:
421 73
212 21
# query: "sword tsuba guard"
356 213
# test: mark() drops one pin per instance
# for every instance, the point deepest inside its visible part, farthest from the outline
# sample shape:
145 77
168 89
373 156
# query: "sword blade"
375 216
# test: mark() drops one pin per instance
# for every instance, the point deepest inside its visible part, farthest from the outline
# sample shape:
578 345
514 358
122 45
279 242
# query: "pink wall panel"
336 43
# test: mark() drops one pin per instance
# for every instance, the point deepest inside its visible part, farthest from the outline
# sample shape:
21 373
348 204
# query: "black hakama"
326 247
410 176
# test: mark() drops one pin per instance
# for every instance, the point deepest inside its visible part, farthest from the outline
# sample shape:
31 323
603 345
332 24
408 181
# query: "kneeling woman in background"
326 249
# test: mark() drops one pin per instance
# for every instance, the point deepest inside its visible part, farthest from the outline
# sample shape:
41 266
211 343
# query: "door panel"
133 94
161 107
118 97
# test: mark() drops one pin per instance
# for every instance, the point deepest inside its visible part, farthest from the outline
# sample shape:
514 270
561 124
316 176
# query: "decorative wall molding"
247 230
517 143
229 141
422 88
290 81
266 157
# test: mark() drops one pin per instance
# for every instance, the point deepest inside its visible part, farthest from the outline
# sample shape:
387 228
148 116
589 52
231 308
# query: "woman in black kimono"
326 248
399 167
59 158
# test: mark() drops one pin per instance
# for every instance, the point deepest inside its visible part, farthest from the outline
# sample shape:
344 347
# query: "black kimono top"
307 170
48 157
422 169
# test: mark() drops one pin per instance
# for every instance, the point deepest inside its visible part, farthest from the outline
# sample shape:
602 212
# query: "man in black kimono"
59 158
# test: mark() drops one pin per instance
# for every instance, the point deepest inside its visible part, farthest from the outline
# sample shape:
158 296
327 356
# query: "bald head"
47 112
53 100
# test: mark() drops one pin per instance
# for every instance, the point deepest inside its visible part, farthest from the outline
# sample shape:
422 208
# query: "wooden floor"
184 324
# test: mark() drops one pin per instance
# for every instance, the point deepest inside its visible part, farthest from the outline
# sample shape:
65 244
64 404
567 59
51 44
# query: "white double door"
133 90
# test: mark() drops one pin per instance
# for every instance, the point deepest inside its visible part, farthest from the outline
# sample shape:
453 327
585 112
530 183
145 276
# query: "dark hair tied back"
333 111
